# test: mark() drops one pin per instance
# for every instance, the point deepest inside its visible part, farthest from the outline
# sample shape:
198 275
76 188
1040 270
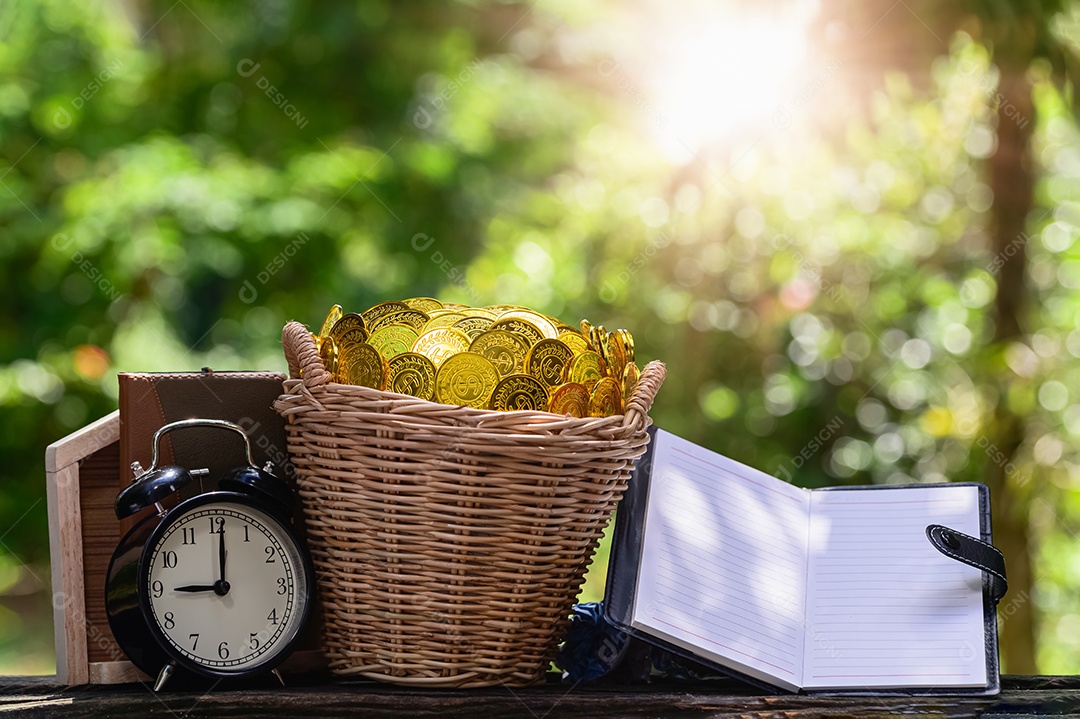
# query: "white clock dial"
232 623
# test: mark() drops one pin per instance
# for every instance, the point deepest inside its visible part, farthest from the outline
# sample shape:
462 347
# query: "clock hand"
221 587
222 553
195 588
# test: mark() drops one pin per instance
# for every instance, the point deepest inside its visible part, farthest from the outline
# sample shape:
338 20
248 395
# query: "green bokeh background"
179 180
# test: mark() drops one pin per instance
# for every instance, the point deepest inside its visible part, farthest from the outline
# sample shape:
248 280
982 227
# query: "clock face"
226 586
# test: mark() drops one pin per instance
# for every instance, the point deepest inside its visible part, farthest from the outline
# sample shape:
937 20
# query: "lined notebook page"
724 561
885 608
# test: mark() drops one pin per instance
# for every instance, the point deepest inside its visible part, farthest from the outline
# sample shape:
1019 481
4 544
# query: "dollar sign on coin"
466 379
519 392
412 374
363 365
506 350
547 360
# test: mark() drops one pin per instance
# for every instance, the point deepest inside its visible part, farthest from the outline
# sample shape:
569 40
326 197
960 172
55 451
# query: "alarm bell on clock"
218 586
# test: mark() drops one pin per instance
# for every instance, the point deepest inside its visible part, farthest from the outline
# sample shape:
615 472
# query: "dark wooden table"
34 697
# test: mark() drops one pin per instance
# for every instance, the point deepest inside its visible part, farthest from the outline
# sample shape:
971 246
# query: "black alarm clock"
220 585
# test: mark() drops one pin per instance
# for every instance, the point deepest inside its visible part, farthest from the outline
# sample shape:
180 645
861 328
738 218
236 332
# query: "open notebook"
836 589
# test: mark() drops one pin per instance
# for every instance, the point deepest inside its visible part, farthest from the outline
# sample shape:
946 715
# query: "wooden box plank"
75 611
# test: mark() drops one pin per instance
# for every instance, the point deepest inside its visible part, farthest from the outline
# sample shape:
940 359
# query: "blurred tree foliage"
178 180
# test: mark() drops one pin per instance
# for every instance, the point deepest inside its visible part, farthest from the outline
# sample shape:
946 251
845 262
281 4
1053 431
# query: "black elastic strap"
974 552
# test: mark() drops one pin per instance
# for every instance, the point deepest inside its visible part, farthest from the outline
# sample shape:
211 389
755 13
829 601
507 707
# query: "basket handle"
637 409
303 358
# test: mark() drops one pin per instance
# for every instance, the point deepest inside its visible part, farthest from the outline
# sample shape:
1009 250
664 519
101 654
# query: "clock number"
217 525
246 533
168 560
194 643
189 535
270 556
158 589
170 620
253 641
272 616
223 650
281 585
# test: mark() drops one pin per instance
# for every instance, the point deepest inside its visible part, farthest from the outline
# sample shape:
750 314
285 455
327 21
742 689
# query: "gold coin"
439 344
586 328
575 341
537 320
393 340
506 350
615 355
479 312
410 318
528 330
412 374
347 322
473 326
598 342
373 314
546 361
445 319
466 379
519 392
349 338
561 327
424 304
499 309
456 306
329 355
627 341
331 317
606 398
630 377
587 369
440 311
570 398
363 365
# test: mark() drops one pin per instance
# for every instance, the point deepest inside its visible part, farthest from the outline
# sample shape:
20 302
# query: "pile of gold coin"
499 357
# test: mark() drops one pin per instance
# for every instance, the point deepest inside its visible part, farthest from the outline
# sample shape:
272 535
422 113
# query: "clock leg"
163 676
277 674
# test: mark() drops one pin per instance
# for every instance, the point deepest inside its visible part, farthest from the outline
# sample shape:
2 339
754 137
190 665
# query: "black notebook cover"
625 559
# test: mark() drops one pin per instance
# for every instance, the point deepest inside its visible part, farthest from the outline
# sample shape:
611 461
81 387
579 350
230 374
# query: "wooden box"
82 474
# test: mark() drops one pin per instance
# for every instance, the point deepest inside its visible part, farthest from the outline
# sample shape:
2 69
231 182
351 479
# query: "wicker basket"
449 542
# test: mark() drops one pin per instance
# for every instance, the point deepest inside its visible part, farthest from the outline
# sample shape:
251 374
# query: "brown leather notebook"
150 400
